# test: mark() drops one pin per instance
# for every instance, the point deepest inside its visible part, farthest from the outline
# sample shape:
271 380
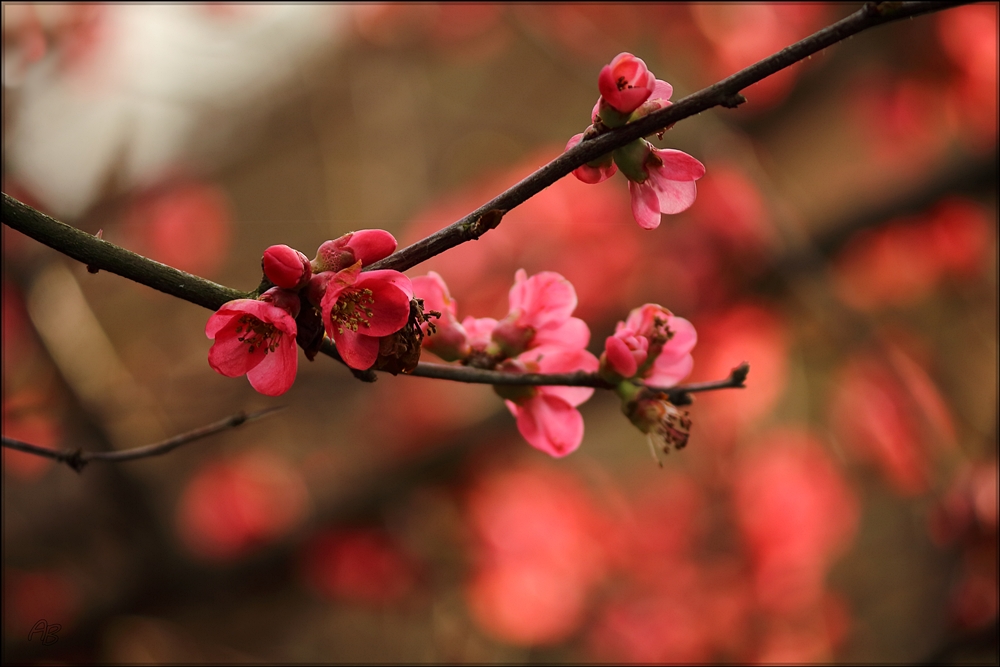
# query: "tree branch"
725 93
77 459
736 379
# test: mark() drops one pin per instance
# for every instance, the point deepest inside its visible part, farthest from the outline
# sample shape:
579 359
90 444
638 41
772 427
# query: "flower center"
353 309
258 335
622 83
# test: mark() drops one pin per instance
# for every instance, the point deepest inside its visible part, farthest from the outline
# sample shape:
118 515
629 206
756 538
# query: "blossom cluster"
359 311
652 348
382 320
659 180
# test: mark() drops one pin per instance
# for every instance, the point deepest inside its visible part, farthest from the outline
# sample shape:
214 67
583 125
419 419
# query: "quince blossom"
449 339
541 309
625 83
359 308
668 186
652 344
660 180
256 338
547 416
365 246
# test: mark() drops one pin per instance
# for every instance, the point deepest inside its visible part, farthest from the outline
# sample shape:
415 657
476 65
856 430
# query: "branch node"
733 101
738 376
76 460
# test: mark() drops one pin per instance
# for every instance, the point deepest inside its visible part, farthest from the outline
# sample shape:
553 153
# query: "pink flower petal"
662 91
675 196
433 290
394 277
557 359
391 308
573 333
645 204
371 245
544 300
677 166
228 355
549 424
667 373
620 358
357 350
275 373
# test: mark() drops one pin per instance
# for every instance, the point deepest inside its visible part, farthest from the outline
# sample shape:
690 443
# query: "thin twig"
735 380
77 459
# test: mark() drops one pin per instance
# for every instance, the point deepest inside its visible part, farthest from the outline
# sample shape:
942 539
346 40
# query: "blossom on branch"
652 344
256 338
365 246
668 185
448 338
541 309
359 308
547 416
625 83
660 180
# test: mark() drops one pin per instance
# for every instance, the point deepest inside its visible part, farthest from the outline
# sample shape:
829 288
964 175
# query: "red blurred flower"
744 332
186 225
796 514
230 506
893 415
362 566
30 596
539 554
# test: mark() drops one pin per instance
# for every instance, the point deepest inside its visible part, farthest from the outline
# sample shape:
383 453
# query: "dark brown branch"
725 93
77 459
736 379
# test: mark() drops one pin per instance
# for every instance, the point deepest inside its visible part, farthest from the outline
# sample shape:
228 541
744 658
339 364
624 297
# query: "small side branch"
77 459
678 394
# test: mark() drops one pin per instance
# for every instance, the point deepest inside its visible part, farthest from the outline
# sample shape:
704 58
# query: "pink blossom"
653 344
547 416
449 340
595 171
365 246
257 339
625 83
541 309
286 267
479 331
669 186
359 308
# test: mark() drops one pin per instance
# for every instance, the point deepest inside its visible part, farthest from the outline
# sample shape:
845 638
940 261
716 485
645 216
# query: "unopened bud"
286 267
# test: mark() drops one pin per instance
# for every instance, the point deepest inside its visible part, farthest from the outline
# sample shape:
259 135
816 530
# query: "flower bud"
365 245
286 267
511 337
623 354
